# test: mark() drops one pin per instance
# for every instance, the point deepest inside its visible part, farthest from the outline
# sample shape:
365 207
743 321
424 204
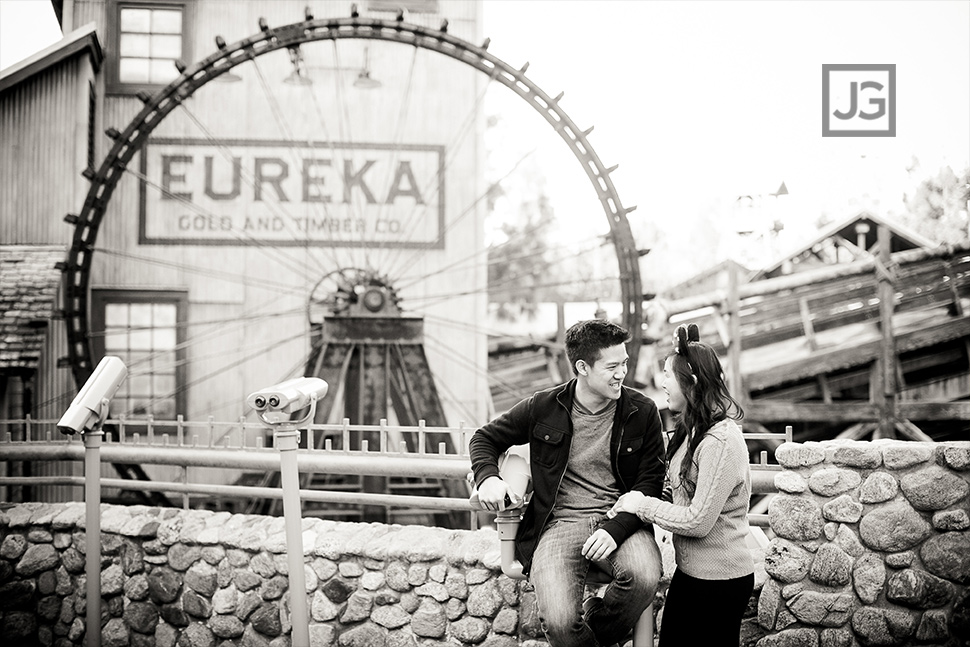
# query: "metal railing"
344 449
400 451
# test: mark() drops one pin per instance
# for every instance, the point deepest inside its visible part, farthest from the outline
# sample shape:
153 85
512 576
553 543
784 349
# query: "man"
590 440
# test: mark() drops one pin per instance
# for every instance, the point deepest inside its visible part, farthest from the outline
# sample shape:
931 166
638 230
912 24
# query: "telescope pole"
92 535
287 440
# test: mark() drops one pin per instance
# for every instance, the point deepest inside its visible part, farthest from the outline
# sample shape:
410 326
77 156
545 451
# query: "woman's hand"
629 502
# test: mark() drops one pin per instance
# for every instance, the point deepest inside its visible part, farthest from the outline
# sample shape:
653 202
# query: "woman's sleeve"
718 473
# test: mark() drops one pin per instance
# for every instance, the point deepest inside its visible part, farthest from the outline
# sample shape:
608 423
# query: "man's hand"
599 546
492 493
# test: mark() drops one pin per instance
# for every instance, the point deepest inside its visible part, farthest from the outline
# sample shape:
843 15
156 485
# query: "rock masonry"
871 546
203 579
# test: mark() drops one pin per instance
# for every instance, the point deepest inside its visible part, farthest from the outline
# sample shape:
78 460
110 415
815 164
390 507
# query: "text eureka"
277 190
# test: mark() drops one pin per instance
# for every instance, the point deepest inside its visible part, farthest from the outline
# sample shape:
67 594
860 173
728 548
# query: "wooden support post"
563 361
825 388
887 401
807 327
735 383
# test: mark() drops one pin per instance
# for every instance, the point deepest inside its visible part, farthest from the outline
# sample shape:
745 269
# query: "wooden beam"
912 432
838 359
777 411
808 277
857 431
933 410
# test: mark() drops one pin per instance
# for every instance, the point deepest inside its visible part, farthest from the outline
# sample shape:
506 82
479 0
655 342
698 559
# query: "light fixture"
228 77
298 76
364 79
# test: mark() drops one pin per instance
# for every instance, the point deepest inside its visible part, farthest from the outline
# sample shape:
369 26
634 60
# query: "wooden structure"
872 341
221 162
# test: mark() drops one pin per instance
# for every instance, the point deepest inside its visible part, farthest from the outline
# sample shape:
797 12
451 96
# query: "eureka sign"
221 192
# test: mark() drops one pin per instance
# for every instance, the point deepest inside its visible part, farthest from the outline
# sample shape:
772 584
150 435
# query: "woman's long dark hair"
698 373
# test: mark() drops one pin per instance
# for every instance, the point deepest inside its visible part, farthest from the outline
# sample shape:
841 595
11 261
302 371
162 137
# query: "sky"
700 102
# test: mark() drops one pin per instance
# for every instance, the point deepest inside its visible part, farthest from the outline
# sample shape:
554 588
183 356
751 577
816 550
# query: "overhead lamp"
298 76
364 79
228 77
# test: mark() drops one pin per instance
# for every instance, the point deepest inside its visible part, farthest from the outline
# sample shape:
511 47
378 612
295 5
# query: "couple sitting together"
602 479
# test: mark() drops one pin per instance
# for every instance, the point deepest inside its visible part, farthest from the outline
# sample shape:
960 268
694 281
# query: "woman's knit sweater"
710 525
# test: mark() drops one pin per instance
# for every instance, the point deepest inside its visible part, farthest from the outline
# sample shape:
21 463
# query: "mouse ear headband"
683 335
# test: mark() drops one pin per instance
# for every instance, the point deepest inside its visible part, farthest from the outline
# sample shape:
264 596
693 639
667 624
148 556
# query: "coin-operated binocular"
515 471
274 403
90 407
86 416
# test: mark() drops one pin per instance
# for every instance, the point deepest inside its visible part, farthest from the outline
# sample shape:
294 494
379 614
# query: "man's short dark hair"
586 340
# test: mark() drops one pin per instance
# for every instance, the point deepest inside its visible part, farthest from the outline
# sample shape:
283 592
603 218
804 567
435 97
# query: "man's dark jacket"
543 421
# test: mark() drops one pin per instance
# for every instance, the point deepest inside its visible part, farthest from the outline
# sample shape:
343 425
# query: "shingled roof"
28 289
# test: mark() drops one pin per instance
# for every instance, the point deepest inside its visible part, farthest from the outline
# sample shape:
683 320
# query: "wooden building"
245 192
303 164
863 332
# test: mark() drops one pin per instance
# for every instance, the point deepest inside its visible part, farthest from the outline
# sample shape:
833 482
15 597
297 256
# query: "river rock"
430 620
795 455
832 566
863 455
893 527
787 561
848 540
822 609
36 559
164 585
795 518
948 556
833 481
878 487
868 577
932 627
918 589
790 482
843 508
900 455
947 520
956 456
878 626
802 637
769 603
933 488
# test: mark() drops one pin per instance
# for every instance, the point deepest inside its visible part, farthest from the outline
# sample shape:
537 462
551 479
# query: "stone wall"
205 579
871 546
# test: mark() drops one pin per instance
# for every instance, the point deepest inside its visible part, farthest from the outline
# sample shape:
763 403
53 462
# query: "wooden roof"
28 289
846 235
82 40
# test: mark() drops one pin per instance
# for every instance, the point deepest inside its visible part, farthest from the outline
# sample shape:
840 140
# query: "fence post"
92 535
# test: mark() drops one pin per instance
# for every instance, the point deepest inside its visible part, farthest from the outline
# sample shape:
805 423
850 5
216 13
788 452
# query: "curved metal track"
157 107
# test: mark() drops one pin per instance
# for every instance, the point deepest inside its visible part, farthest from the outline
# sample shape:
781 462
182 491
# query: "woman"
707 465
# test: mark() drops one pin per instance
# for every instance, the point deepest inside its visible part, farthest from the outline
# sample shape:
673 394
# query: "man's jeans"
559 576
